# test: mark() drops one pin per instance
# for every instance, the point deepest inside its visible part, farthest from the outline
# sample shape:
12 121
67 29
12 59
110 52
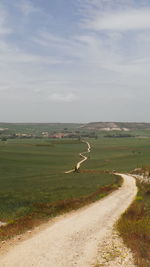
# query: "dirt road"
74 239
82 155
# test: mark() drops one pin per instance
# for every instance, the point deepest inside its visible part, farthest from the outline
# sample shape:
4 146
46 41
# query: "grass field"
121 154
33 182
32 171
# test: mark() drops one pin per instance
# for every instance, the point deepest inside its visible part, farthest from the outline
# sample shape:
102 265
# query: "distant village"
5 134
58 131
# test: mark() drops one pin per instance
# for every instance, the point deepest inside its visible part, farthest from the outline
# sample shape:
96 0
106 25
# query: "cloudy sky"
74 60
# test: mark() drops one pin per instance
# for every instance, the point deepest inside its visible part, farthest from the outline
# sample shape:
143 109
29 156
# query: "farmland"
121 154
32 171
34 186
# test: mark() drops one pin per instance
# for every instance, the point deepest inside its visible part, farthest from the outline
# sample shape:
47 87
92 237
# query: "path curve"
82 156
73 240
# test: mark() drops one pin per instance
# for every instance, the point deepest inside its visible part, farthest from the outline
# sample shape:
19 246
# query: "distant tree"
4 139
79 138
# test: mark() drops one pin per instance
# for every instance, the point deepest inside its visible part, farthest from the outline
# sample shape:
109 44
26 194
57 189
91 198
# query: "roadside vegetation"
134 225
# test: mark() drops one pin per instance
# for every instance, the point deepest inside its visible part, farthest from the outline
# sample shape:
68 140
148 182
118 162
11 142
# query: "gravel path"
75 239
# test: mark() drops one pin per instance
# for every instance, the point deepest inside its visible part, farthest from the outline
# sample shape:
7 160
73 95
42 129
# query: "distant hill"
37 128
116 126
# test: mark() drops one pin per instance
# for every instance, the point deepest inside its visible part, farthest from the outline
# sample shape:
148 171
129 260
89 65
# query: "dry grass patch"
134 227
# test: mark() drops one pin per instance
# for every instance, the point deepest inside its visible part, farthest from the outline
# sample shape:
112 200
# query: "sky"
74 60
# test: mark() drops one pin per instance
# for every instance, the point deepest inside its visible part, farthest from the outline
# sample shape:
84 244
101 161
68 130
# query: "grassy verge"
134 226
41 212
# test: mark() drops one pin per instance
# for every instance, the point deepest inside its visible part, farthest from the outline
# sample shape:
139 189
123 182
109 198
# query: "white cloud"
62 47
131 19
4 28
63 97
11 54
27 7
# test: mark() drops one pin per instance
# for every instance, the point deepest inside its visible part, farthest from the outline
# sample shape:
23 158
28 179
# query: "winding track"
74 239
82 156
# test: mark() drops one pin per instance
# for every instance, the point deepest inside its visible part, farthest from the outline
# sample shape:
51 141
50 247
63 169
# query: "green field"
34 186
120 154
32 171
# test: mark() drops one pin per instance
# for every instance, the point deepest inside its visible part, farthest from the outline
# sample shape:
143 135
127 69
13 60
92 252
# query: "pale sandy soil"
2 223
112 252
76 239
142 178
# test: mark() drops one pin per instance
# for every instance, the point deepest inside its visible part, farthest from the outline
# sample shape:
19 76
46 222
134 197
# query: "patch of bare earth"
113 252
